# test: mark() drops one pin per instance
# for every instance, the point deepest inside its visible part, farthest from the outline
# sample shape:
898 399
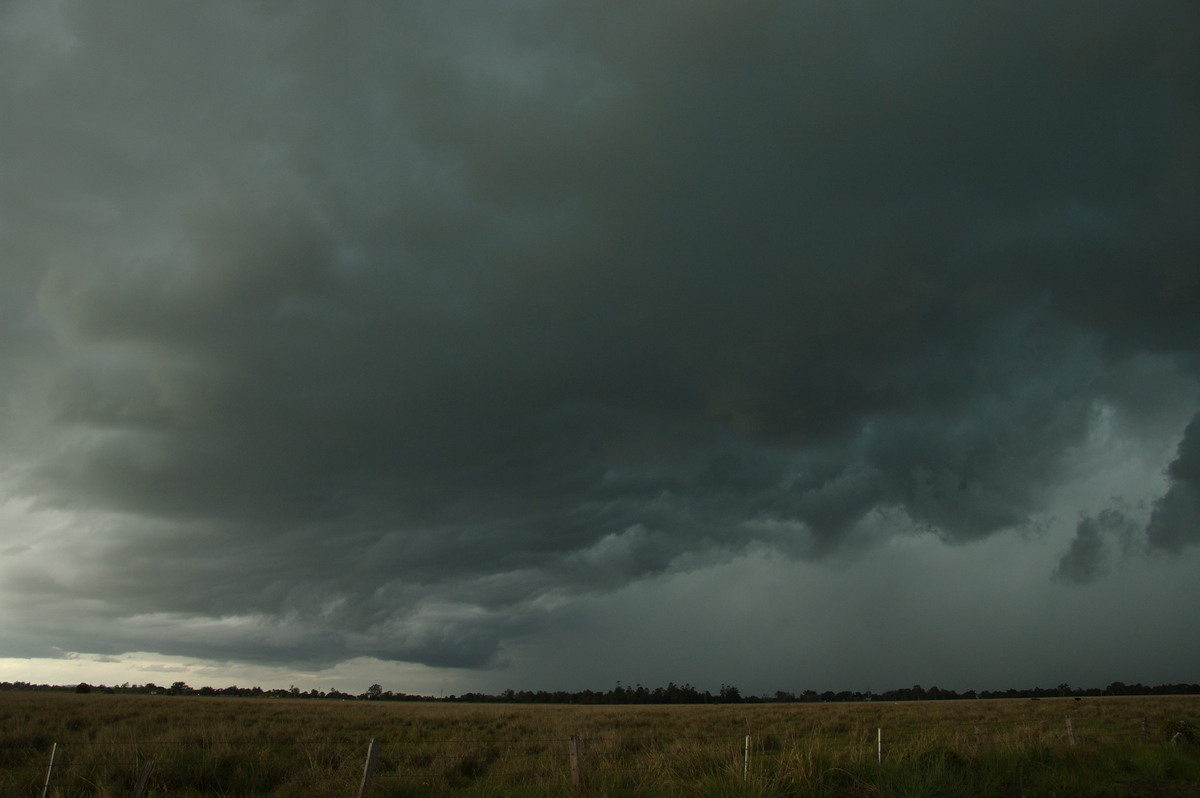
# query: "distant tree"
374 691
83 687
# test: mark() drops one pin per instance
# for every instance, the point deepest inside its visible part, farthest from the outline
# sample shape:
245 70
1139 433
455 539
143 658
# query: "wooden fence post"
143 777
576 763
1145 728
879 744
50 767
746 760
368 767
1070 731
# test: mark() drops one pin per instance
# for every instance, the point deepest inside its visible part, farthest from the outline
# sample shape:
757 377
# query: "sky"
464 346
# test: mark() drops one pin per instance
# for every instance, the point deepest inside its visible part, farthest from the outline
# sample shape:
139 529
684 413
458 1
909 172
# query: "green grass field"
203 746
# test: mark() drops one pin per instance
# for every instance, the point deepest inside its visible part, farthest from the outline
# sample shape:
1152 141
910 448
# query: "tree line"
637 694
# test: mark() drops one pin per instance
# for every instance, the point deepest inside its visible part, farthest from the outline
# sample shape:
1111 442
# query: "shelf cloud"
415 331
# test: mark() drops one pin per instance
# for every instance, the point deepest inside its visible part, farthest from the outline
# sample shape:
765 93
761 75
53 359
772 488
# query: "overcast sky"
460 346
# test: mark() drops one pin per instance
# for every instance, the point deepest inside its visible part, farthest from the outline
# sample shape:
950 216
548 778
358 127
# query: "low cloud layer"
395 332
1176 519
1095 538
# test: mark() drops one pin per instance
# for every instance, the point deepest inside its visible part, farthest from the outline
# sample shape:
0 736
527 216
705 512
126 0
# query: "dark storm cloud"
379 331
1094 537
1176 519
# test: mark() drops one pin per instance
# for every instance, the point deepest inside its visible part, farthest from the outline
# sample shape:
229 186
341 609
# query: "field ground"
203 746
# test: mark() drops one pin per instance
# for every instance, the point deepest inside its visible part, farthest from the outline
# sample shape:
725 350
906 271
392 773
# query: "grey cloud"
389 324
1088 553
1175 522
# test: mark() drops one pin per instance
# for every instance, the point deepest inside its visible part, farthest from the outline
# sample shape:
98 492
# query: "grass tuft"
288 748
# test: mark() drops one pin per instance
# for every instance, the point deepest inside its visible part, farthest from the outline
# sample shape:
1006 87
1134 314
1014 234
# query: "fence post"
1070 731
1145 728
368 767
978 737
50 767
746 760
140 787
576 764
879 744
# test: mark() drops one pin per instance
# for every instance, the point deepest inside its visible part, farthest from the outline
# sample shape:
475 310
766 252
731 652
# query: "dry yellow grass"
276 747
